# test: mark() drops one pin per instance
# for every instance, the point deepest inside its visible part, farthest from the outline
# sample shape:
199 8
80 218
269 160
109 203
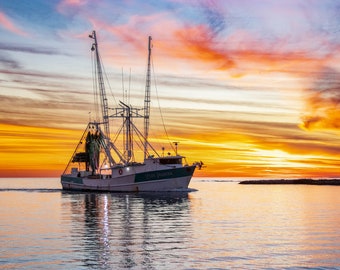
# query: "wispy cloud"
10 26
31 49
47 110
8 63
215 16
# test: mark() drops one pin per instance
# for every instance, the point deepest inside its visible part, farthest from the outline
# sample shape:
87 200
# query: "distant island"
332 182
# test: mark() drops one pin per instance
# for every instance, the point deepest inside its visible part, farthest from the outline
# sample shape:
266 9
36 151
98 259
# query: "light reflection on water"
222 225
125 230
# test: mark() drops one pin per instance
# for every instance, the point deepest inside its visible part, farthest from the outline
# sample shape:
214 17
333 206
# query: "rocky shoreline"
332 182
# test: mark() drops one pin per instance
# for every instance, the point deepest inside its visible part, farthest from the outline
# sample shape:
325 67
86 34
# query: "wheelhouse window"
166 161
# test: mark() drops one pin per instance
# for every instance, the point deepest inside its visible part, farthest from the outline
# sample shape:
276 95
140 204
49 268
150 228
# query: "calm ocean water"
218 225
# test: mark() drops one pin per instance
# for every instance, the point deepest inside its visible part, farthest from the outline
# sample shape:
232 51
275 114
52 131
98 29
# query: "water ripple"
220 226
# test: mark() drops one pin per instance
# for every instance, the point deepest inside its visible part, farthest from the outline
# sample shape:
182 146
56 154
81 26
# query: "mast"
127 114
147 101
103 100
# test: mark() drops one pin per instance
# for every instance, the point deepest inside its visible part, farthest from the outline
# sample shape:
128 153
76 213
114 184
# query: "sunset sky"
251 88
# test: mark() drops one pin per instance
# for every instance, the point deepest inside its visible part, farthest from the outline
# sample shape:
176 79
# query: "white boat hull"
162 180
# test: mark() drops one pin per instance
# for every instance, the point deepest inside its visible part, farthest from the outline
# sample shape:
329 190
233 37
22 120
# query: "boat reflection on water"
129 230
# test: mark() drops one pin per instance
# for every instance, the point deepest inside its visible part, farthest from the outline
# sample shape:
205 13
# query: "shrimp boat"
98 164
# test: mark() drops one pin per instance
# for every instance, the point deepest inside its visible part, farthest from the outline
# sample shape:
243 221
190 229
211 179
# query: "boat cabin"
176 161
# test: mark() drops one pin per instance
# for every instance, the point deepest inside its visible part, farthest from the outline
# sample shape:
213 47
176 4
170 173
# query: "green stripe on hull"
74 180
164 174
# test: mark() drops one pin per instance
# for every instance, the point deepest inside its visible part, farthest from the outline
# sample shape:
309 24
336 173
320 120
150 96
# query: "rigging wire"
95 87
129 90
159 105
123 86
108 85
107 80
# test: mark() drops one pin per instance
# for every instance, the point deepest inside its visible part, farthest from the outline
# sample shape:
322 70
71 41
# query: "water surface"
218 224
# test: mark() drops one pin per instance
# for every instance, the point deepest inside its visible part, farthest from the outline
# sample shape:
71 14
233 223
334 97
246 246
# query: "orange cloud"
242 54
35 151
6 23
228 147
198 45
323 102
250 148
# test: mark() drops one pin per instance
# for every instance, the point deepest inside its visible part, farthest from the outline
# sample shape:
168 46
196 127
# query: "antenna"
176 147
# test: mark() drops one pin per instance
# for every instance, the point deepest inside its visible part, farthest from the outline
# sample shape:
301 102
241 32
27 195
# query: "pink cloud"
6 23
65 4
238 53
73 8
213 45
127 40
73 2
